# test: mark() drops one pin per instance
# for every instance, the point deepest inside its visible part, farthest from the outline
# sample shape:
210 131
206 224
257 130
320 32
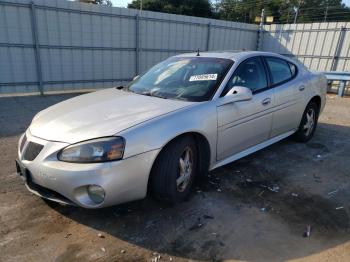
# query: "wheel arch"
317 100
203 148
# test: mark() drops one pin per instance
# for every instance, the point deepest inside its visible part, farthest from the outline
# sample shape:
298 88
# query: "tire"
167 174
308 123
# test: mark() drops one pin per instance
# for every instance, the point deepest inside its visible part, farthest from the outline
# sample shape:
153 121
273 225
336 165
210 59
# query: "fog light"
96 193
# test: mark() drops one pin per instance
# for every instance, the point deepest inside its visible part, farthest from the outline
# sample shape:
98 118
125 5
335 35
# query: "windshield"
184 78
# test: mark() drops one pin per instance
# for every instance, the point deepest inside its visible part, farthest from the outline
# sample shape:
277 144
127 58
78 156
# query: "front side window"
250 74
184 78
280 70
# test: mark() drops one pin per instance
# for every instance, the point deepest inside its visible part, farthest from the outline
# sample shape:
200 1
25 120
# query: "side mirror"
135 77
236 94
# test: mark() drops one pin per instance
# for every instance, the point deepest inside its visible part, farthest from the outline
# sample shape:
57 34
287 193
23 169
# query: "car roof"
234 55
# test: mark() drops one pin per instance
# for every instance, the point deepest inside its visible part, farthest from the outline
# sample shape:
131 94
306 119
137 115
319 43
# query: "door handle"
266 101
301 88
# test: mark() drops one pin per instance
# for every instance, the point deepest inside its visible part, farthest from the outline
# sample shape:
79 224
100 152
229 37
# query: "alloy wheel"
310 122
185 169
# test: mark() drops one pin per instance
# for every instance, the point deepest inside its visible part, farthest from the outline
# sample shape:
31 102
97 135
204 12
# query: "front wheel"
174 170
308 123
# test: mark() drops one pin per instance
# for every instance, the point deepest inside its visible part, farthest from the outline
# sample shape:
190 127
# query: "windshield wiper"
124 88
148 93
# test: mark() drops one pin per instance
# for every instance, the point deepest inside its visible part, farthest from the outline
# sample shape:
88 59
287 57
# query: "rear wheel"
308 123
174 170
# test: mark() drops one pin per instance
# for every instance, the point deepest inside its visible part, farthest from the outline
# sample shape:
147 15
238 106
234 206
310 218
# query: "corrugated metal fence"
55 45
50 45
319 46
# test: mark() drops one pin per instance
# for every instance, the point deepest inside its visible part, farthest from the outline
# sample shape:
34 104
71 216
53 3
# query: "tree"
324 10
284 11
200 8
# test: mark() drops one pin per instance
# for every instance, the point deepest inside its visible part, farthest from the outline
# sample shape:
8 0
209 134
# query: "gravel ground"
232 215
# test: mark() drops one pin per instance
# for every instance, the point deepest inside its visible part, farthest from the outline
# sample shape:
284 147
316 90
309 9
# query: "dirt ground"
233 215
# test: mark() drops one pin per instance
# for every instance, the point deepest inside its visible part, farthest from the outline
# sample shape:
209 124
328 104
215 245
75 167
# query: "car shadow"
256 208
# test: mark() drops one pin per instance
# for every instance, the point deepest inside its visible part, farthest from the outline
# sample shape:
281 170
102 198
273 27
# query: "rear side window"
280 70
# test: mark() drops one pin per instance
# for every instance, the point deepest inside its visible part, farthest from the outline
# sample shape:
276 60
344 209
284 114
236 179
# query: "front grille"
32 151
24 140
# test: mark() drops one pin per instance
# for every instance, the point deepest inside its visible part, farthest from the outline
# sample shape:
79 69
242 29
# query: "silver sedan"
182 118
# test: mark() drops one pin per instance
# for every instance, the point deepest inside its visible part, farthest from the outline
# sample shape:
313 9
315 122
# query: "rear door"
287 95
246 123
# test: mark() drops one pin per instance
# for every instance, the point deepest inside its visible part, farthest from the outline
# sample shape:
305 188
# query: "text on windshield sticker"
204 77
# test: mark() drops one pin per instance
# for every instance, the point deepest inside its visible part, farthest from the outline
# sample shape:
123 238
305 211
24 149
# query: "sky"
124 3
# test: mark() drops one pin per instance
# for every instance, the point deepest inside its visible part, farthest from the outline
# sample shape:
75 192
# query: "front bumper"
63 182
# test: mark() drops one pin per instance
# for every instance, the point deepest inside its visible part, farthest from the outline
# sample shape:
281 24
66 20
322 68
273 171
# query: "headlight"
92 151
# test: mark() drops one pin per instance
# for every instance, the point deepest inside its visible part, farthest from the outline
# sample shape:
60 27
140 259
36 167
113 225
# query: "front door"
247 123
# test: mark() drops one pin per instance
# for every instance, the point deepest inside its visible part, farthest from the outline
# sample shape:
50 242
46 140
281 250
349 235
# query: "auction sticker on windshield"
204 77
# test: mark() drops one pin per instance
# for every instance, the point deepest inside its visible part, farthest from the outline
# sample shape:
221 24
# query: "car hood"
98 114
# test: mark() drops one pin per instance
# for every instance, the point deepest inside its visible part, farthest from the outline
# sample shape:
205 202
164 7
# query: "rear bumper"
67 183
